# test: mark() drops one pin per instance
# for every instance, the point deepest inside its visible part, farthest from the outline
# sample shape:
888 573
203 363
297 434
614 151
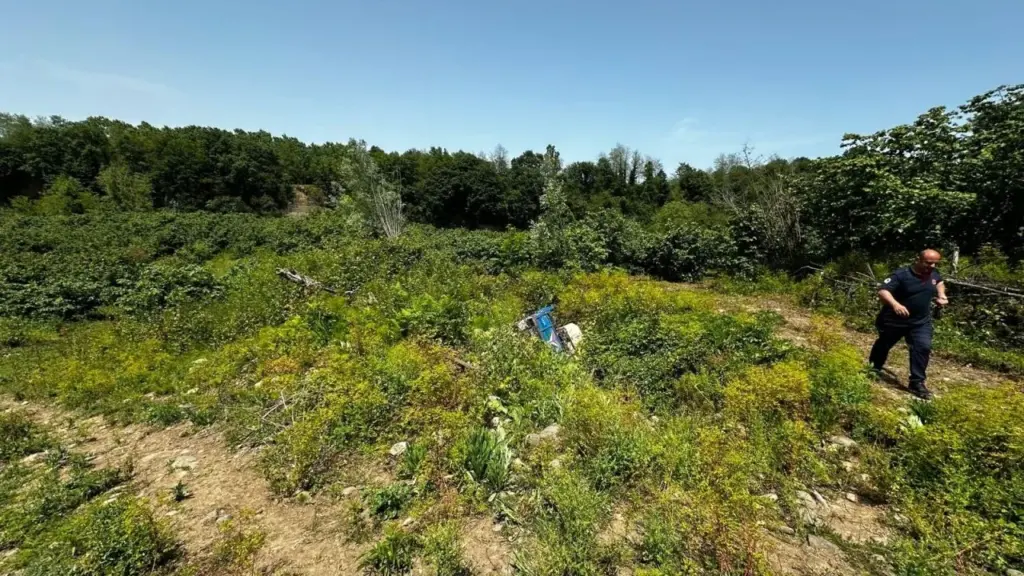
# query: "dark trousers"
919 343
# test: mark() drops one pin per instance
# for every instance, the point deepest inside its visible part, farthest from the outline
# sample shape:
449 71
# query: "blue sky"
679 80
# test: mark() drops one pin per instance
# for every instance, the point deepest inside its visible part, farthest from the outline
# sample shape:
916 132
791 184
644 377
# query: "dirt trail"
942 372
303 539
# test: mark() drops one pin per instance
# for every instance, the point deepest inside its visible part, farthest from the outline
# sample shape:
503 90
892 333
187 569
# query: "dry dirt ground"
308 538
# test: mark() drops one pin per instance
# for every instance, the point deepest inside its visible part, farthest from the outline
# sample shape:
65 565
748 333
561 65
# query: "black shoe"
918 389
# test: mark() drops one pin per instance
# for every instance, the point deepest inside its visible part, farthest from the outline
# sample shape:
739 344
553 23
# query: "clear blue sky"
679 80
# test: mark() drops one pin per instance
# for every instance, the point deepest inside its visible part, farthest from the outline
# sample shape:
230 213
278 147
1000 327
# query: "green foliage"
487 458
20 437
567 521
957 480
121 537
393 555
387 502
66 196
128 190
442 548
412 461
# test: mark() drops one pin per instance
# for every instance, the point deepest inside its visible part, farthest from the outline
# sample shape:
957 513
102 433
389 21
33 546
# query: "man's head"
927 260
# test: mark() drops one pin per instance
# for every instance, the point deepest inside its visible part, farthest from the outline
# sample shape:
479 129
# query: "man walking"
907 295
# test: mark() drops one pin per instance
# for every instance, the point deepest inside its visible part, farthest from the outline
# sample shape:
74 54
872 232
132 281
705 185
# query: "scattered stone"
843 441
555 464
1012 572
549 433
852 497
820 499
900 518
518 465
815 541
222 518
186 462
807 508
771 496
865 478
34 458
849 466
211 517
349 491
399 448
497 527
786 530
408 522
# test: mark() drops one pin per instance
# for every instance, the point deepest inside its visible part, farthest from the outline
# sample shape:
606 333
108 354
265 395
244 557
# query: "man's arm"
941 300
890 301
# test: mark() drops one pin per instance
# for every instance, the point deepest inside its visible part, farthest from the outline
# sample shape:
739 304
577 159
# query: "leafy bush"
20 437
442 548
121 537
487 458
387 502
393 555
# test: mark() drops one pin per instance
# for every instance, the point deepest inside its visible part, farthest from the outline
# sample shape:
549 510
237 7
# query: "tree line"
952 177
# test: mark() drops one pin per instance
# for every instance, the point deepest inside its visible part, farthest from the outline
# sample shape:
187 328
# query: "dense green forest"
953 177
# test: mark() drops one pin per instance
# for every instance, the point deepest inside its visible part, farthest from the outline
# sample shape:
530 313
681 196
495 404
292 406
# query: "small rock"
1012 572
865 478
222 518
518 464
849 466
532 439
551 431
815 541
819 498
805 498
900 518
211 517
852 497
843 441
172 513
33 458
786 530
191 391
349 491
185 463
879 559
555 464
497 527
771 496
399 448
408 522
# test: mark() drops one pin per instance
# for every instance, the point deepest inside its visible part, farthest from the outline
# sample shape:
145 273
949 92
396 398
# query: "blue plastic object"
542 322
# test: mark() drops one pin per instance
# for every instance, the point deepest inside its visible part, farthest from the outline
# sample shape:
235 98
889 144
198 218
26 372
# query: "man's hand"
900 310
942 300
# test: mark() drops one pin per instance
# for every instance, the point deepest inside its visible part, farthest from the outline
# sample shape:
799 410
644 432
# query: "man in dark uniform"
908 294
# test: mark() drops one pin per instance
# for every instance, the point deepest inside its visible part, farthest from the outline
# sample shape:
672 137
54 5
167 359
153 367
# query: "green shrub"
487 458
412 461
387 503
393 555
566 524
20 437
120 537
442 548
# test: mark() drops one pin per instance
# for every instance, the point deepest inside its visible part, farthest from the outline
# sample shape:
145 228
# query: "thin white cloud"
105 81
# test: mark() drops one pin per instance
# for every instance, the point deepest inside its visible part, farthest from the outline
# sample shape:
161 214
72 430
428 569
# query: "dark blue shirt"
914 292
